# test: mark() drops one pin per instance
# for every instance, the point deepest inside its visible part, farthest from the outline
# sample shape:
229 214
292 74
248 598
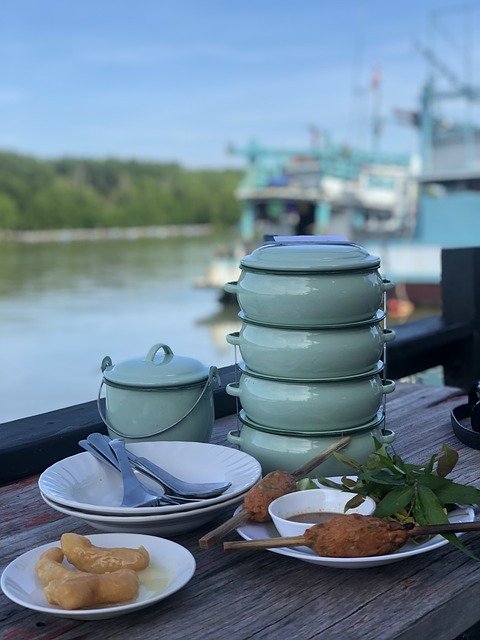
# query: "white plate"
82 482
164 524
259 531
171 567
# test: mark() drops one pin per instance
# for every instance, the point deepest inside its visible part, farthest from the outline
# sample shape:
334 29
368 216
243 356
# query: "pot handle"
232 389
388 436
233 438
213 375
388 335
106 362
156 347
387 284
230 287
388 386
99 406
233 338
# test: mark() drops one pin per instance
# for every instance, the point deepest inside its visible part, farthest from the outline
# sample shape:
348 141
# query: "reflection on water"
65 306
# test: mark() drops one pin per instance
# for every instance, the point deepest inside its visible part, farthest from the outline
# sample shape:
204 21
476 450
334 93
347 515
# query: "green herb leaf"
446 461
427 508
356 501
306 483
454 493
329 483
399 463
394 501
348 482
452 538
346 460
431 462
382 476
378 444
431 481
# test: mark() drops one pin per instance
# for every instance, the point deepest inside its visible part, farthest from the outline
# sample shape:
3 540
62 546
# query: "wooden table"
264 595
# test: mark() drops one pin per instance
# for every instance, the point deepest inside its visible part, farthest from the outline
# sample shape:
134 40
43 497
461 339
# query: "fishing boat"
404 208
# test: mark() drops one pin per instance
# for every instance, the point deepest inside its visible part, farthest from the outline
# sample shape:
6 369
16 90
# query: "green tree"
9 215
75 193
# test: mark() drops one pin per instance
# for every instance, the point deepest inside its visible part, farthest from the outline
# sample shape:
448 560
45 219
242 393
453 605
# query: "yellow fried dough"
49 566
87 590
80 552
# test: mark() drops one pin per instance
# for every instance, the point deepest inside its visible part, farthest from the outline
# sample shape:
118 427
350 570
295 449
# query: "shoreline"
106 233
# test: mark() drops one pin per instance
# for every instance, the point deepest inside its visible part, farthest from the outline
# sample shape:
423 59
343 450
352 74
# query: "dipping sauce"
314 517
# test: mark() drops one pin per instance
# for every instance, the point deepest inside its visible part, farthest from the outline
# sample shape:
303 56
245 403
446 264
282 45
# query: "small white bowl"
312 501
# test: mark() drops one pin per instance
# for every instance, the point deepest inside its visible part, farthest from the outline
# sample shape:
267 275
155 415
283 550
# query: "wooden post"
460 305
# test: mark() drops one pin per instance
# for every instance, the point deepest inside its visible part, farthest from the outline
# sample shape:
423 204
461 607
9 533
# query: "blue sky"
177 80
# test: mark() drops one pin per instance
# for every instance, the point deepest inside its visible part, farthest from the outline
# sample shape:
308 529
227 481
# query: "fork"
178 486
134 494
111 460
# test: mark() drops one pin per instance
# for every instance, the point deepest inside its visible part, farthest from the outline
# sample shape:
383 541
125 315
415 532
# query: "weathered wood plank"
263 595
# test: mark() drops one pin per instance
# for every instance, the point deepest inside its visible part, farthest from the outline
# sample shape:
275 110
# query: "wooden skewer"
213 537
295 541
267 543
453 527
301 472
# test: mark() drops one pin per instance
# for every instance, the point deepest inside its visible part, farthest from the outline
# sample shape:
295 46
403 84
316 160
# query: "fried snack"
88 590
80 552
259 497
49 566
355 536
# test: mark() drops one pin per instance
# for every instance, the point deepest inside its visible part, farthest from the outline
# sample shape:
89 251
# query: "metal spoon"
178 486
112 461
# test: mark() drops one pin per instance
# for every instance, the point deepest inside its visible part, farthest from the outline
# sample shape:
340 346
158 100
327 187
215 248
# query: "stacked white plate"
87 489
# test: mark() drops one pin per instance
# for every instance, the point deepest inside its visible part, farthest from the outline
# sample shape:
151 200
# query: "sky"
180 80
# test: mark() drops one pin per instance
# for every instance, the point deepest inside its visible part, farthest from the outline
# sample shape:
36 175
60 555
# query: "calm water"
63 307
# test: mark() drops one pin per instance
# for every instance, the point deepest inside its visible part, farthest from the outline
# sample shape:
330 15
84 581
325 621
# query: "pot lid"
306 253
155 369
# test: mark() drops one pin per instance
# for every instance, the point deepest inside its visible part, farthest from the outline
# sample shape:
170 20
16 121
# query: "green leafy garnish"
404 492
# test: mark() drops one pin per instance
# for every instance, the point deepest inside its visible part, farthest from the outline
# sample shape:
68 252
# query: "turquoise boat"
403 208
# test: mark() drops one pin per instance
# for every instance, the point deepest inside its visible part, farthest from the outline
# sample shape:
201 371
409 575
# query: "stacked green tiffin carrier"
312 340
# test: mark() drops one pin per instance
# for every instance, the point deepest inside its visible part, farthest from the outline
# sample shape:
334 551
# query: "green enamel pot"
307 284
311 405
162 396
290 451
311 353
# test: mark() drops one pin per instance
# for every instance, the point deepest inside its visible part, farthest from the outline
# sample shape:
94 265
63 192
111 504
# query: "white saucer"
262 530
171 567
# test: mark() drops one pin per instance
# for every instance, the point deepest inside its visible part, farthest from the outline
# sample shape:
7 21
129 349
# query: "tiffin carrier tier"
312 343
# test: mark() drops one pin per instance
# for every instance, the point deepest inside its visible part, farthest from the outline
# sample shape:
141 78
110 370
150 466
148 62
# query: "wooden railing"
451 340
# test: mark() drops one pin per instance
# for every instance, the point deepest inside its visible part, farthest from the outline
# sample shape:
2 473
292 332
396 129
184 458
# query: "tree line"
82 193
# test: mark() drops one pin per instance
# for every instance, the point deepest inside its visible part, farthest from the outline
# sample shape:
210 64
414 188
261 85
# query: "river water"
64 306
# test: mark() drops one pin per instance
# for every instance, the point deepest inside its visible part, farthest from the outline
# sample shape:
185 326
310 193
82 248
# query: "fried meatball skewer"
257 500
353 536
